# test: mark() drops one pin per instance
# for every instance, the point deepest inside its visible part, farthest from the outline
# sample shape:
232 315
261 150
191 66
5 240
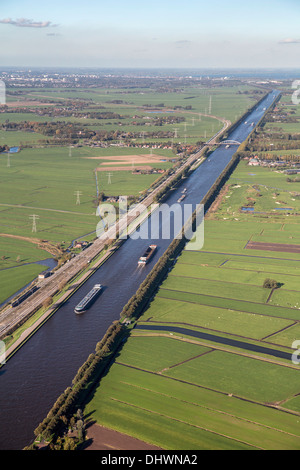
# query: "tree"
80 429
47 302
62 284
69 444
270 284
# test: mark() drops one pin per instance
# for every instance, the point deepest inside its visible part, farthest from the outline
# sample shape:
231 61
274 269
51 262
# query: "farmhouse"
253 162
80 244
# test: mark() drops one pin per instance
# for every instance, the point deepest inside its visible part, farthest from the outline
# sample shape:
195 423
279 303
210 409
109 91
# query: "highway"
44 367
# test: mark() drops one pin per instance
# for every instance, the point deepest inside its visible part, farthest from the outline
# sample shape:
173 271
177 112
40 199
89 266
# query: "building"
44 274
253 162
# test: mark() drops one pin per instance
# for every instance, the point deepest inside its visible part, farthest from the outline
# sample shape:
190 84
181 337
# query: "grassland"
44 182
23 274
179 391
200 122
43 178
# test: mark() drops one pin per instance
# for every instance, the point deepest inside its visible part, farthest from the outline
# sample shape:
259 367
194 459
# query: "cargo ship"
181 198
148 254
87 301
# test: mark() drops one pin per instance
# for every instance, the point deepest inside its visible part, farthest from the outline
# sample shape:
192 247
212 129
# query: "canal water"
44 367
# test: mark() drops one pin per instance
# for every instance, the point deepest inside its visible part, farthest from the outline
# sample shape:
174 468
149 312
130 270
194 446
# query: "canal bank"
77 284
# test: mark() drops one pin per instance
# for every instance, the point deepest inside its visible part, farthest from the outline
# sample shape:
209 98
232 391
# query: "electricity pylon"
34 219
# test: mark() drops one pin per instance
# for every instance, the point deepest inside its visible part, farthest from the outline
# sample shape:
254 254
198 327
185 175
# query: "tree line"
61 416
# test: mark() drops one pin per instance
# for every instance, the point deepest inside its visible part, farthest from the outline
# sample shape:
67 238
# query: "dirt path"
124 168
36 241
43 245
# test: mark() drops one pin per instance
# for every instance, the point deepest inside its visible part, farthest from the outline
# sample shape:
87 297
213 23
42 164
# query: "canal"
44 367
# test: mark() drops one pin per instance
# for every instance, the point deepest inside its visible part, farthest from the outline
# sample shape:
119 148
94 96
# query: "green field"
221 102
193 405
44 182
171 388
22 275
226 101
214 318
16 138
43 178
178 391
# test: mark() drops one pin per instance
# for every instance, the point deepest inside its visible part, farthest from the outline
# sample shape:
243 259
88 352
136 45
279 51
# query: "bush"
47 302
270 284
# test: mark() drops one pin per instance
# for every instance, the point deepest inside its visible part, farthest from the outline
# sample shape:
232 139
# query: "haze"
257 34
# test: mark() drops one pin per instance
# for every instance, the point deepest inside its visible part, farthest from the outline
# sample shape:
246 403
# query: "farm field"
292 127
44 182
22 274
209 364
16 138
45 177
226 102
139 109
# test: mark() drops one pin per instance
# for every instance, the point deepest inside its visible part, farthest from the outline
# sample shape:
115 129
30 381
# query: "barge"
181 198
149 253
89 299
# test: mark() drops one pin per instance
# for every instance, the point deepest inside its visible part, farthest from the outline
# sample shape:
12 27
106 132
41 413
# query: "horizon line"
149 67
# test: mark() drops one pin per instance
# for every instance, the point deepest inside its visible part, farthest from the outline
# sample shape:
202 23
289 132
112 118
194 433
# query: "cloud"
27 23
183 43
290 41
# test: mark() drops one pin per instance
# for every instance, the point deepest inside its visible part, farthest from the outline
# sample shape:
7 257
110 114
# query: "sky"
154 34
